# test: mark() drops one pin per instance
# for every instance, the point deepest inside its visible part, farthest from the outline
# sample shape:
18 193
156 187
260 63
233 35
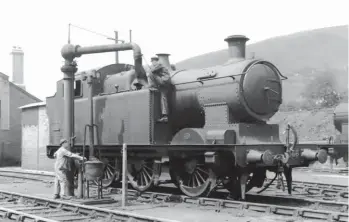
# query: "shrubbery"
320 92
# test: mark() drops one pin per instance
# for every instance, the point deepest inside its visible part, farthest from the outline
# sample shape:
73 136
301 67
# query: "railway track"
19 207
286 206
343 171
311 188
317 210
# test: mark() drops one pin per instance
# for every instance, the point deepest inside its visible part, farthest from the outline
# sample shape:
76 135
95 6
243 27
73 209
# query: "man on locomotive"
159 78
62 167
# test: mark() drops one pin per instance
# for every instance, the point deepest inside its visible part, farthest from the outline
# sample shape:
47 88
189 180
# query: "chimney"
164 60
17 67
237 46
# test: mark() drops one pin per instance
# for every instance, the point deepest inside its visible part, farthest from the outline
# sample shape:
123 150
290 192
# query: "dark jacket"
161 71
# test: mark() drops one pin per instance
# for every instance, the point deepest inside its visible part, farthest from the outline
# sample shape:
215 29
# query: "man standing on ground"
62 167
159 78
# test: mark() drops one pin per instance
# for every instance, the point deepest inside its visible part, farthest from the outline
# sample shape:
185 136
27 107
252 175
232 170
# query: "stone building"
12 96
35 137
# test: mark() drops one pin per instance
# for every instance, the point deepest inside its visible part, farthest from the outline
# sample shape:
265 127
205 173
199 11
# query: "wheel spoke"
196 179
190 182
146 167
143 177
200 177
110 170
146 173
107 173
199 169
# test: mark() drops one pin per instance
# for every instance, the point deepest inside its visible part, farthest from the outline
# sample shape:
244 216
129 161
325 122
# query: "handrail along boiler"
216 137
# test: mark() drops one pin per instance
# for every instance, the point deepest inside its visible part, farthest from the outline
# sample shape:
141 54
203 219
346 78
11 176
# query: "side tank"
251 88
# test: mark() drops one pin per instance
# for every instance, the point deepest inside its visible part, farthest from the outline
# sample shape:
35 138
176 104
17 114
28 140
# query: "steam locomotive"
216 137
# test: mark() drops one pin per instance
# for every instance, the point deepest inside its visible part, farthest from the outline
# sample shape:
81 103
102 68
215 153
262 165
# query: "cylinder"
237 46
311 155
254 156
164 60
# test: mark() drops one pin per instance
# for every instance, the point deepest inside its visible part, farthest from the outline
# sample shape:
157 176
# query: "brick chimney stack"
17 67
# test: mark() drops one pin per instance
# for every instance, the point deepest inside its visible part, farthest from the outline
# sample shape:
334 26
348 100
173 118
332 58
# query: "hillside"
299 56
315 49
302 57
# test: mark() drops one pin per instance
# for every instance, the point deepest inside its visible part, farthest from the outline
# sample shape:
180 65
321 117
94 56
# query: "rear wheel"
193 177
141 174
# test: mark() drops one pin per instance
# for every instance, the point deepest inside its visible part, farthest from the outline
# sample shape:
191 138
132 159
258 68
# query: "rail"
42 209
319 210
315 209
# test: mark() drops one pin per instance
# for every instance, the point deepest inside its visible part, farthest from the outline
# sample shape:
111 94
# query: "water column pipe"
69 52
69 69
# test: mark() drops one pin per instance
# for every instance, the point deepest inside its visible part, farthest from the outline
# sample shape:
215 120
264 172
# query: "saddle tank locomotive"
216 137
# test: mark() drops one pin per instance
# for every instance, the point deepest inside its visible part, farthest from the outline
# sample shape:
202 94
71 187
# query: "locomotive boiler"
216 137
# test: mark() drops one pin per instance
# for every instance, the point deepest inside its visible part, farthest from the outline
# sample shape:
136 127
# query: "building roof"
4 76
25 92
32 105
19 88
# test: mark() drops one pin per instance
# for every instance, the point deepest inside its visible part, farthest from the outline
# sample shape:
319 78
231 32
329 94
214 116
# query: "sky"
182 28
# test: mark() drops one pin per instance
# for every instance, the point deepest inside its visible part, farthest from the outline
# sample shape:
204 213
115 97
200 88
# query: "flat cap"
154 59
62 141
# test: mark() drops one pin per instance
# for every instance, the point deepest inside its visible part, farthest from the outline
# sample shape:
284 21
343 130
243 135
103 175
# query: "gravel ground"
175 211
189 213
